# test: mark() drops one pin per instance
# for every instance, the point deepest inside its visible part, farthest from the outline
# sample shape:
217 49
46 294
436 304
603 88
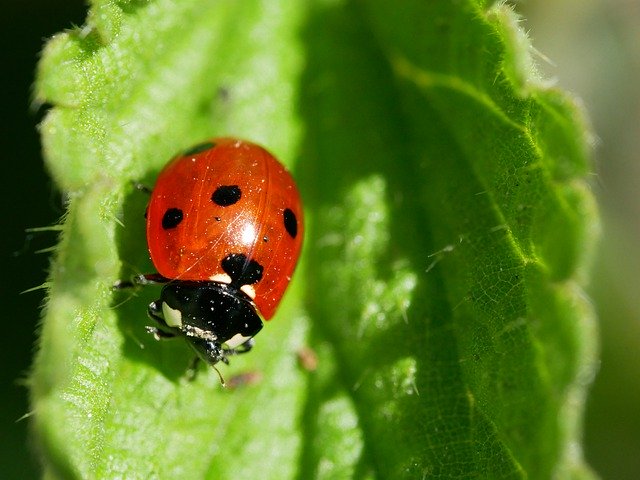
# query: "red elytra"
227 199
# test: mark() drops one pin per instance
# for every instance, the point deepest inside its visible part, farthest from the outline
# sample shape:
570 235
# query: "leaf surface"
450 227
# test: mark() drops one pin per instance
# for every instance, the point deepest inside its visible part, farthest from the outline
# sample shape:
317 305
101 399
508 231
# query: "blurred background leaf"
593 48
28 200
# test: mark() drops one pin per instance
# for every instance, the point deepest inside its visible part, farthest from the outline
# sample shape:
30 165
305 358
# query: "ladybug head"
217 319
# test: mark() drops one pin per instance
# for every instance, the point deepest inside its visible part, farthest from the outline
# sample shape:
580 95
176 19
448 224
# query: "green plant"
449 229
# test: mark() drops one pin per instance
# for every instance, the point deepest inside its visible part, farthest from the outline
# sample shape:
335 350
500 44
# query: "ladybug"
224 231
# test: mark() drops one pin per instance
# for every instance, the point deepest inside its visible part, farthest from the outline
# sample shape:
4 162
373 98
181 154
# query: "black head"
217 319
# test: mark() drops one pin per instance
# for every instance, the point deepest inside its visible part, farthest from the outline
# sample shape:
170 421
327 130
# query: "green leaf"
449 233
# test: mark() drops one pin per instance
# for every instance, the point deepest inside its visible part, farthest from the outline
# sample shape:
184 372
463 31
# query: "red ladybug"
224 229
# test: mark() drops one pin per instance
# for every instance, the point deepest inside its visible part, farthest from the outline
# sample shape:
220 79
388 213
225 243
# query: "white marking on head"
220 278
172 317
236 341
249 290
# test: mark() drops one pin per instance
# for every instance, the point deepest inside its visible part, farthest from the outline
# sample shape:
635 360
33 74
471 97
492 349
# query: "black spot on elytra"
226 195
171 218
241 270
201 147
290 223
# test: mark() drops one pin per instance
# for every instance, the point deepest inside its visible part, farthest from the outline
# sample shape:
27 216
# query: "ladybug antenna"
222 382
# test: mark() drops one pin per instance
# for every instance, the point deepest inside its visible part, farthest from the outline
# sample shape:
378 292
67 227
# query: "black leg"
122 284
142 188
244 348
192 369
158 333
162 330
149 279
140 280
155 312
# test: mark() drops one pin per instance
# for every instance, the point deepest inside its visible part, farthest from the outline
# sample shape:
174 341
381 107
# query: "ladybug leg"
162 331
244 348
192 369
159 334
122 284
142 188
149 279
142 280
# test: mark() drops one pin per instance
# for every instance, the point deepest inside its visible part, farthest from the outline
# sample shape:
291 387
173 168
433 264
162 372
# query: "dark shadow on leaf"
356 131
170 357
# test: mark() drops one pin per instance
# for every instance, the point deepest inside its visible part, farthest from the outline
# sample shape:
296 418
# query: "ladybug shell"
227 211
